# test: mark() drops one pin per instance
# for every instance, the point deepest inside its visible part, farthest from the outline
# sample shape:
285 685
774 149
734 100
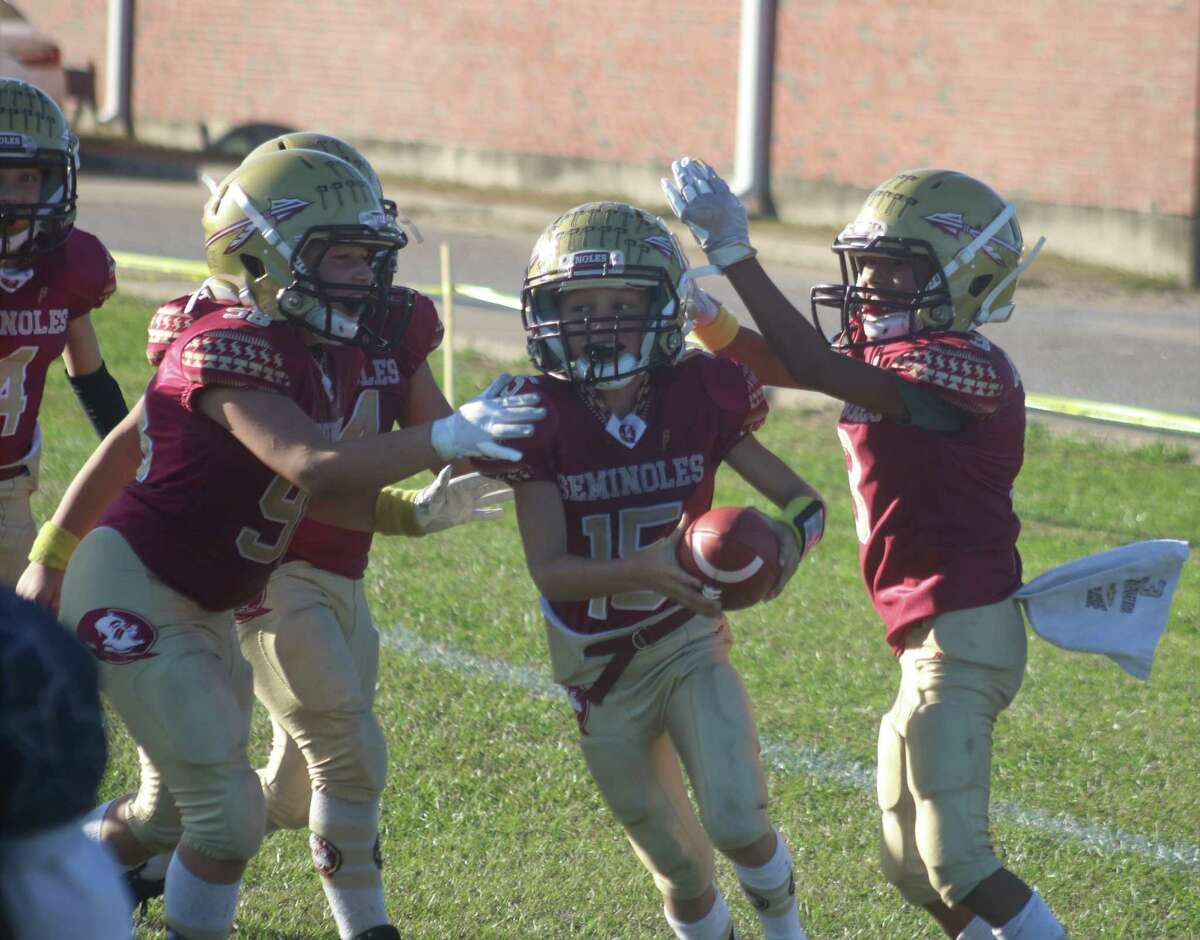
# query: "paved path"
1068 338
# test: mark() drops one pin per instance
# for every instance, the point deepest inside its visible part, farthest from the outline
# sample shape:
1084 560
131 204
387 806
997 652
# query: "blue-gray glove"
705 203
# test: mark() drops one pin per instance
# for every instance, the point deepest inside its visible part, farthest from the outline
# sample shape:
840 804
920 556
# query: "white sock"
156 866
977 929
343 841
1033 922
717 924
195 908
771 888
92 824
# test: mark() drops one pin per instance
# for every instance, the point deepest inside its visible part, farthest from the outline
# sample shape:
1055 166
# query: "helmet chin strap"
339 324
624 362
887 326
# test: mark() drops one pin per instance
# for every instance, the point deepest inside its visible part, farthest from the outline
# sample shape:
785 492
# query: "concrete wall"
1085 113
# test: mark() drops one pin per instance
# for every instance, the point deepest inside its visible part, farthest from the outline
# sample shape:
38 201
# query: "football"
734 551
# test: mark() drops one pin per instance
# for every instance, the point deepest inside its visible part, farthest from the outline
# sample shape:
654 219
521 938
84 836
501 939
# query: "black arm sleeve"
101 399
929 410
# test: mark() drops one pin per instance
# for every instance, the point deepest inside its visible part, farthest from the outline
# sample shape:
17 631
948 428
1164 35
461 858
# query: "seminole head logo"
277 211
327 859
116 636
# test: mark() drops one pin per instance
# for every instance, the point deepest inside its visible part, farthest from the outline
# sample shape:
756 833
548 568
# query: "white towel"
1114 602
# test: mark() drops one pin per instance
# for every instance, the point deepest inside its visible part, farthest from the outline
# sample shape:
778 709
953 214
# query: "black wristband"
101 399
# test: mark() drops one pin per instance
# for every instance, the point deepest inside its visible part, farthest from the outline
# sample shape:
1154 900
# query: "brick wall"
1061 101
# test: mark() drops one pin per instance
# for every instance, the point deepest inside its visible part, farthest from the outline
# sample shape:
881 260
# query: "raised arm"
793 346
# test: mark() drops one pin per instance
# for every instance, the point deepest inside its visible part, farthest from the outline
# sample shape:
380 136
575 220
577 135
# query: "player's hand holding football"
475 428
789 554
706 204
659 571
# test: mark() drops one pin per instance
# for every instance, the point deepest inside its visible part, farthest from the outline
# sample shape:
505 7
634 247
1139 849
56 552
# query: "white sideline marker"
804 759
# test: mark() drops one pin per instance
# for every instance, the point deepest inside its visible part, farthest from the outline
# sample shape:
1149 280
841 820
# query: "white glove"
474 429
715 215
449 501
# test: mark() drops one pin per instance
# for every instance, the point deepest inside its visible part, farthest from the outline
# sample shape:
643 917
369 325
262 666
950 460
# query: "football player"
634 434
231 438
52 275
933 431
309 639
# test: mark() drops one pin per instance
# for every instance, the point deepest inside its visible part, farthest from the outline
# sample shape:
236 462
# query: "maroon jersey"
625 483
203 513
379 403
35 307
933 510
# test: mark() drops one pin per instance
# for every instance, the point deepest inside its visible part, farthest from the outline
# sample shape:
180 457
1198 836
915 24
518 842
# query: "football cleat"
142 888
382 932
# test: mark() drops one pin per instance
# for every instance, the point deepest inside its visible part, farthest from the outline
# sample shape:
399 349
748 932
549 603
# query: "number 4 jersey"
204 514
36 306
933 509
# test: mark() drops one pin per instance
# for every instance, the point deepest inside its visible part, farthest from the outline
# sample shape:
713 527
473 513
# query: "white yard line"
796 758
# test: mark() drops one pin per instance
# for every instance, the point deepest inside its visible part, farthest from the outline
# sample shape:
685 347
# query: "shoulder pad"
974 377
423 333
90 269
733 388
235 354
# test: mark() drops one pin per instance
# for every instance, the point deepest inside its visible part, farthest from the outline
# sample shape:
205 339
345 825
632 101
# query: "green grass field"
492 828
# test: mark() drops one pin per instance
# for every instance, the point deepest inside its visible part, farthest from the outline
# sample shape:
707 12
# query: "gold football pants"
679 701
17 528
173 672
958 671
315 656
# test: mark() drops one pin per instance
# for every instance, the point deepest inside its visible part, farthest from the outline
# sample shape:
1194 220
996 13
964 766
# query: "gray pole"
756 68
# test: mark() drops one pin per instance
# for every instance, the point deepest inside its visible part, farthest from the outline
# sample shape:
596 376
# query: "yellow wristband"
720 333
806 516
396 512
53 546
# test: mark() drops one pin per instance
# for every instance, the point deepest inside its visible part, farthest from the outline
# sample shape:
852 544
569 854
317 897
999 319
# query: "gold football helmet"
327 143
605 244
269 225
34 133
962 242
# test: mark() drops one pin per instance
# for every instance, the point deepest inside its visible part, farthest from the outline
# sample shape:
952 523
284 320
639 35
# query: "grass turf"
492 828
